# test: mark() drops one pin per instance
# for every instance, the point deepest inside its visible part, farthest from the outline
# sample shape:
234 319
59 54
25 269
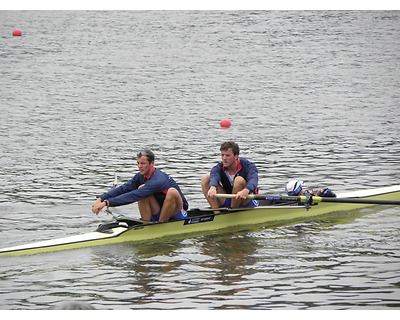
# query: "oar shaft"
260 197
356 200
312 199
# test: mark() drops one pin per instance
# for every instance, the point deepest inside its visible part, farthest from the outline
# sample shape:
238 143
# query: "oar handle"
312 199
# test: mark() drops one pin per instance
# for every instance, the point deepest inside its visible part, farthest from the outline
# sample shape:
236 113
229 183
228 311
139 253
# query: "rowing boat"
272 210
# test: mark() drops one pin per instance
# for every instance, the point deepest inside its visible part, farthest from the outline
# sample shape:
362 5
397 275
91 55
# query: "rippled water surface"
311 95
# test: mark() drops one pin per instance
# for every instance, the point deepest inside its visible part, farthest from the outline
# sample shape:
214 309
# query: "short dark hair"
147 153
230 144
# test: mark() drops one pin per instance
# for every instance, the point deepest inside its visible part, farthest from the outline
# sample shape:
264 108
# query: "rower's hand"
212 193
242 194
98 206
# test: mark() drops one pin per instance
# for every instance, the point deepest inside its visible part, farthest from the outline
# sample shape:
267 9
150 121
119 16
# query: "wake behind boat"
272 210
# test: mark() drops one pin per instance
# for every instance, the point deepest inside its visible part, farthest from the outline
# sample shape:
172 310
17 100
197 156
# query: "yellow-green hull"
205 222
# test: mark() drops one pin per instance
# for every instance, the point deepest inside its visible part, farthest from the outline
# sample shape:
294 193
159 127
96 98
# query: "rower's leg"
238 185
172 205
147 207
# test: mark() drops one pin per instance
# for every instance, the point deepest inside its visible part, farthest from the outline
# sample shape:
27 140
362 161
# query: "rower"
233 175
158 196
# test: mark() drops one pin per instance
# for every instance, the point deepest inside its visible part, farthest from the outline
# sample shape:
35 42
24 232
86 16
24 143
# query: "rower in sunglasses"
158 196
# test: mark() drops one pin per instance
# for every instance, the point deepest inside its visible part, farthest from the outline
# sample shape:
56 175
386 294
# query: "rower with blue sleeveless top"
159 197
233 175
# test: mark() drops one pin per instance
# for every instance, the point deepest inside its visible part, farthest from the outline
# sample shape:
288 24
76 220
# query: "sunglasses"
142 154
149 156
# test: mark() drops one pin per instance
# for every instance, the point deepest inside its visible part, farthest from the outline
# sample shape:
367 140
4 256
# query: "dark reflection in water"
319 265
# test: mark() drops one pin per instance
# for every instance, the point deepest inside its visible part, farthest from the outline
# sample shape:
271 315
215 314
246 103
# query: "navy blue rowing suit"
246 169
156 184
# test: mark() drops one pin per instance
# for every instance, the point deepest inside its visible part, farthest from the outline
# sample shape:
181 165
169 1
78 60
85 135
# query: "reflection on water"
324 264
260 269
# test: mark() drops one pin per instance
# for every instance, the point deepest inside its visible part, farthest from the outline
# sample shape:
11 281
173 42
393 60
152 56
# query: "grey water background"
312 95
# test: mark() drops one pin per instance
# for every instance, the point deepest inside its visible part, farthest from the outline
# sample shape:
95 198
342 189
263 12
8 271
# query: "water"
311 95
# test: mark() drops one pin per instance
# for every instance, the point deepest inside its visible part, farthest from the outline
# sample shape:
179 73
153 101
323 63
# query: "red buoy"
17 33
225 123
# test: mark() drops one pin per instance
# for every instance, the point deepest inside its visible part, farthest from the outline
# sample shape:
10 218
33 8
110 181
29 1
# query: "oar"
312 199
